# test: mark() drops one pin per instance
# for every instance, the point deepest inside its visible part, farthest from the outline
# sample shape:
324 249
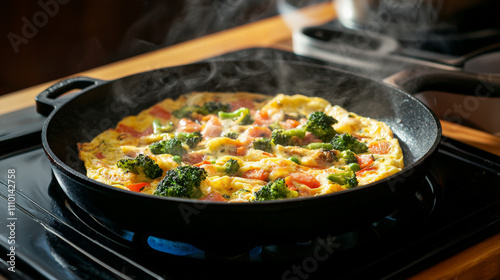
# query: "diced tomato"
241 151
202 163
254 132
364 160
121 128
380 148
137 187
214 197
99 155
366 169
289 183
187 125
262 118
262 114
259 131
213 127
147 131
258 174
306 179
289 124
193 158
159 112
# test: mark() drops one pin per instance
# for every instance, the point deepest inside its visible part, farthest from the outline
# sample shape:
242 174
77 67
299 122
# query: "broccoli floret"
232 135
215 107
275 125
231 167
280 138
288 137
347 179
241 115
348 156
187 111
158 128
207 108
242 191
320 124
245 120
316 146
182 181
191 139
171 146
141 165
346 141
274 190
263 144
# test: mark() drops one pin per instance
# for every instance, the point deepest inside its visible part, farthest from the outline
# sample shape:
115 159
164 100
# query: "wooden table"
479 261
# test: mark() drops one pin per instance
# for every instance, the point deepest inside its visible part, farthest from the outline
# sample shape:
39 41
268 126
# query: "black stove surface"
457 206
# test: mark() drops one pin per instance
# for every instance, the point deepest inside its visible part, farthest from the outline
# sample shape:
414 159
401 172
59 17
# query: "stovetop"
448 50
457 206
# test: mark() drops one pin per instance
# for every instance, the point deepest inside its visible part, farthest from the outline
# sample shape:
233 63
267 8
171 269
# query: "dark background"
70 36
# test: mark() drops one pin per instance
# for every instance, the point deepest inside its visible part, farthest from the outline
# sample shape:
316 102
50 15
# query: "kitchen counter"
479 261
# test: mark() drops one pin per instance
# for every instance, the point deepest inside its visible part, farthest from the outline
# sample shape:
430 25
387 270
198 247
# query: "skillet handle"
418 80
51 98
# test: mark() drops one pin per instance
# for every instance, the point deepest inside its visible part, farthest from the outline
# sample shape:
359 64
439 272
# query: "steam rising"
409 120
167 23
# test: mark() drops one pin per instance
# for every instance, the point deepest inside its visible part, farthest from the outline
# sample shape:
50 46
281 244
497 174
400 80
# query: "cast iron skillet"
101 104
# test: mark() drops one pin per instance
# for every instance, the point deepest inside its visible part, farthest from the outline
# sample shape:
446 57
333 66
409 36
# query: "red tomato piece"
254 132
159 112
121 128
289 124
241 151
364 160
137 187
305 179
148 131
258 174
187 125
262 118
289 183
366 169
99 155
214 197
380 148
202 163
259 131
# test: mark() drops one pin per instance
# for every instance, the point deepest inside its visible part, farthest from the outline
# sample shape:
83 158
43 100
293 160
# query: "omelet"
268 139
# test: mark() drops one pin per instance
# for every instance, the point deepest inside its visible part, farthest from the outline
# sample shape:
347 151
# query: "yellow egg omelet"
242 147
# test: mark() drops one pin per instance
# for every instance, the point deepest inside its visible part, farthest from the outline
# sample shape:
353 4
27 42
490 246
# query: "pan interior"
100 108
